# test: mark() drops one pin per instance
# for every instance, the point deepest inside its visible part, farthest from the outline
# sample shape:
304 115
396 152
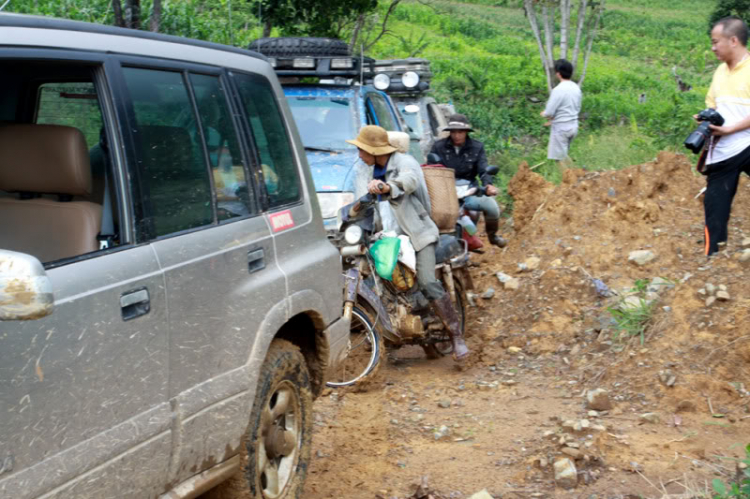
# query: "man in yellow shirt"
728 150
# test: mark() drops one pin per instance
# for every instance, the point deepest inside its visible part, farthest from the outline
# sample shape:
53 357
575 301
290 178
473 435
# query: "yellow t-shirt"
730 96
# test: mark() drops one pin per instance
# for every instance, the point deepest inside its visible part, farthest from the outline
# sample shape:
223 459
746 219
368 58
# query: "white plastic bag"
406 253
387 218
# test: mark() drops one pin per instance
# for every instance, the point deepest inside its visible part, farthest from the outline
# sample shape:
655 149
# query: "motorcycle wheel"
366 344
443 348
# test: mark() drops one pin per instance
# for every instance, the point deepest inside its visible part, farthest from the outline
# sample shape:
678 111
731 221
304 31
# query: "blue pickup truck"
321 81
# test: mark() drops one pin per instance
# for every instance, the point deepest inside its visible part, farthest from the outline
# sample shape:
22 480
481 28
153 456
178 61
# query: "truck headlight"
331 202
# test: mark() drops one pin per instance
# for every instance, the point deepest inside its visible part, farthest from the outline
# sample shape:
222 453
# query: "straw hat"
458 122
374 140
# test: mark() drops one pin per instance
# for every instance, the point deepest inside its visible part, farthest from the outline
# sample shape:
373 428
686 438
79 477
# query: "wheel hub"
279 442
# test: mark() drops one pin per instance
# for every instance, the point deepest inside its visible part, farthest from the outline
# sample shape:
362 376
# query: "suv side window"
174 181
272 142
382 112
224 154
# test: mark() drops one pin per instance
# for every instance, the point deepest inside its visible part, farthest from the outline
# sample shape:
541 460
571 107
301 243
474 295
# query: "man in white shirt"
727 152
562 108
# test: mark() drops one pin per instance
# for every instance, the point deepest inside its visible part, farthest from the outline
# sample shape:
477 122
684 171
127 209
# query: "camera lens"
697 139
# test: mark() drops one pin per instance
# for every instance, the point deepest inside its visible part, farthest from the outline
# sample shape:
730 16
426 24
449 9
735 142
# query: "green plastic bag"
385 254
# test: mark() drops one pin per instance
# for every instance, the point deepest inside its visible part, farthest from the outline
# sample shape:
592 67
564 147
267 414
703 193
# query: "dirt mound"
528 190
586 227
577 235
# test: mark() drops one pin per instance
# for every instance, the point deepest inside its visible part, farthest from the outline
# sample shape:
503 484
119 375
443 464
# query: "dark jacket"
468 164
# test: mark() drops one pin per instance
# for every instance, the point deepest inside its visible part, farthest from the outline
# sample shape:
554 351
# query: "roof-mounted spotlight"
410 79
381 81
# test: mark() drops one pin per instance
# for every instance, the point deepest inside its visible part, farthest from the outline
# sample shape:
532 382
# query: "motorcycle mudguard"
367 295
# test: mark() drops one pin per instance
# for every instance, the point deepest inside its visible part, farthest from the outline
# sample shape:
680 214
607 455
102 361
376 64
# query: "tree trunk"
133 14
579 31
117 9
590 41
267 28
355 33
156 17
564 25
528 5
548 15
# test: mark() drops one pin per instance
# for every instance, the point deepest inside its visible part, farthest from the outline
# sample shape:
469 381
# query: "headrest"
47 159
399 140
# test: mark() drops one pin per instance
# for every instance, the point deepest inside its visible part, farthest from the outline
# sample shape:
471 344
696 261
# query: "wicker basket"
441 184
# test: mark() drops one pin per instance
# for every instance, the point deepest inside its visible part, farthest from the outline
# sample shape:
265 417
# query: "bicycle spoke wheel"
364 352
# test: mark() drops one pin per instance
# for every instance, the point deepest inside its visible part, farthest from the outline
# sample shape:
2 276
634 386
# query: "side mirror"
25 289
492 170
434 159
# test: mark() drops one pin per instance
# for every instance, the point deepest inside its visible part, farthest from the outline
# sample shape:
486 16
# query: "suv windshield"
324 122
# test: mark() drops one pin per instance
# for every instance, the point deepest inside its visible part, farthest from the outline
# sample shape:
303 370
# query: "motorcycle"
391 312
467 219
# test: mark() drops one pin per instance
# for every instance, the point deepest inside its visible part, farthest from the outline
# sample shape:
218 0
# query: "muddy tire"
365 351
275 450
291 47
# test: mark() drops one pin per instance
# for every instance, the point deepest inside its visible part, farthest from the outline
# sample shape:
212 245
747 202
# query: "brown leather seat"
46 159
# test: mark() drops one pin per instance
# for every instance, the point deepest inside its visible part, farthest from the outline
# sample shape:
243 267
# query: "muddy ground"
680 410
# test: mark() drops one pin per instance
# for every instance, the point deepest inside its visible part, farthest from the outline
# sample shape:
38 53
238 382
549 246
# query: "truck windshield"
324 122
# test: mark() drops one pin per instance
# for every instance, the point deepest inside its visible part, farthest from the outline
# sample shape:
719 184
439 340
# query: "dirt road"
680 409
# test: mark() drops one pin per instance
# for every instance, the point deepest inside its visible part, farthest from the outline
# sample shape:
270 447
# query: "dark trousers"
722 180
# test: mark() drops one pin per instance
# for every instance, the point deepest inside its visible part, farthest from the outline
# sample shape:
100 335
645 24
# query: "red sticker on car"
281 220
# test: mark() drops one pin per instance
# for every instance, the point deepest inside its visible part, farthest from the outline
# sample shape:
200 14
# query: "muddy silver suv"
169 303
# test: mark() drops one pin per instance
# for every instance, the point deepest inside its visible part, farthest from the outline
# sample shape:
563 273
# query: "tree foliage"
726 8
587 18
311 17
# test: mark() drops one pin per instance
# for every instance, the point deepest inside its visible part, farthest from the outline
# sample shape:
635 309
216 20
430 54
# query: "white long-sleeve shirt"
564 103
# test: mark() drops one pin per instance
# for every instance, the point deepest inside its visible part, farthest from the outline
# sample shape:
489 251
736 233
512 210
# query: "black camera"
697 139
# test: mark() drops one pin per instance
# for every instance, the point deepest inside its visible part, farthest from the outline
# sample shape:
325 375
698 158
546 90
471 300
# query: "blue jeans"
486 204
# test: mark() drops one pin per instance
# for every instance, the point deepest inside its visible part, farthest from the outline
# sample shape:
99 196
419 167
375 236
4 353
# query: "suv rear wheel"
291 46
275 450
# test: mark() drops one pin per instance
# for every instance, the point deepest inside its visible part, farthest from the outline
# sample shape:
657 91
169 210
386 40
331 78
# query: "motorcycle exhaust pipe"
353 250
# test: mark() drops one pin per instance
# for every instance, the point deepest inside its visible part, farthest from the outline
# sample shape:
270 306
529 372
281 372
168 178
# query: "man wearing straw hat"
398 177
468 160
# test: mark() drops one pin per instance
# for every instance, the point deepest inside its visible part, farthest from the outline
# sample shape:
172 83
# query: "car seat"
46 159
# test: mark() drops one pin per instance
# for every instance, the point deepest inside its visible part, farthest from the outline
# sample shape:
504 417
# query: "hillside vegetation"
486 62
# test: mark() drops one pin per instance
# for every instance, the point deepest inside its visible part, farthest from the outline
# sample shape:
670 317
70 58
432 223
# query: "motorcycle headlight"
331 202
353 234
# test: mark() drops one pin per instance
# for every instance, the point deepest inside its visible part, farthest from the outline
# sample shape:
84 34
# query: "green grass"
486 63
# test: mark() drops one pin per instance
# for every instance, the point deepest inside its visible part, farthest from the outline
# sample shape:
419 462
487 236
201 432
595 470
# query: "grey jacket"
408 198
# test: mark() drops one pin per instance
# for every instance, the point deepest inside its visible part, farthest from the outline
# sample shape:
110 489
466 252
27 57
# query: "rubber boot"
491 227
444 309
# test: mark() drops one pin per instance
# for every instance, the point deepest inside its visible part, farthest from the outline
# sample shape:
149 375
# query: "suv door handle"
134 304
256 260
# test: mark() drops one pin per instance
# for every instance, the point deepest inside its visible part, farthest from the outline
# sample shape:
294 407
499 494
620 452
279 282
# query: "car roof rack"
395 77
